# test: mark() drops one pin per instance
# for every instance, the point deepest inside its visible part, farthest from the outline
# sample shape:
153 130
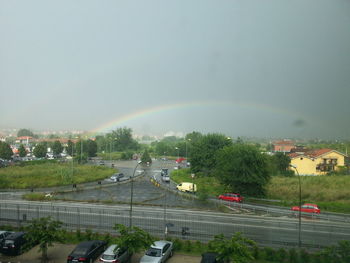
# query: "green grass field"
331 193
50 174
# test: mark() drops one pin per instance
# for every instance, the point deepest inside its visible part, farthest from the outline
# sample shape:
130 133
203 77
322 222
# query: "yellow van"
187 187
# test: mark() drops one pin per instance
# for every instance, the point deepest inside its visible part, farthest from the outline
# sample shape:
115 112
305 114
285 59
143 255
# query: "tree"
145 158
40 150
91 148
238 249
5 151
203 152
25 132
57 147
44 231
121 139
133 238
243 168
70 146
22 151
282 162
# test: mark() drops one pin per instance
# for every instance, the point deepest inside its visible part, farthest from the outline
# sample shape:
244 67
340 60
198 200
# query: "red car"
231 197
308 208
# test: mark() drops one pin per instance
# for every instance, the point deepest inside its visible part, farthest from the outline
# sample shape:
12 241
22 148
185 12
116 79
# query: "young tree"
44 231
40 150
243 168
57 147
5 151
145 158
133 238
70 146
238 249
282 162
91 148
22 151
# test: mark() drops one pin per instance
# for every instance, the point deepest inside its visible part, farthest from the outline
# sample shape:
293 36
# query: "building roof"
313 153
283 142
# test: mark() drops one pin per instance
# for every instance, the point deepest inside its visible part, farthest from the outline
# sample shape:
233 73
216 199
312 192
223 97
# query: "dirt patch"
59 253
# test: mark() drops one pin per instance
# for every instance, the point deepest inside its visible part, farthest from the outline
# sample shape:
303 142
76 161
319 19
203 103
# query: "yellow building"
317 162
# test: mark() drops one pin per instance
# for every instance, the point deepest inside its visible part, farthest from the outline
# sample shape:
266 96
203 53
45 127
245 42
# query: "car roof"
310 204
88 243
160 244
110 250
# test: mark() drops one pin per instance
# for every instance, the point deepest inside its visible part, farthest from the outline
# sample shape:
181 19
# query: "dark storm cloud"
81 64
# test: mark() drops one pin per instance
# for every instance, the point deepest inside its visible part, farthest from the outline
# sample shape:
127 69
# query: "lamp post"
132 193
186 151
299 239
178 153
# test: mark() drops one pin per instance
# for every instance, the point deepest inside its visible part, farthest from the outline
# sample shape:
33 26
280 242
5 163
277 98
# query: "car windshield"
80 251
153 252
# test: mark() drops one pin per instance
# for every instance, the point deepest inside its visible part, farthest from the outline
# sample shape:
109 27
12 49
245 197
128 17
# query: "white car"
159 252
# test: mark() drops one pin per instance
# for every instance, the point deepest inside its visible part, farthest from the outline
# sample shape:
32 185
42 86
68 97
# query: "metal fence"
199 225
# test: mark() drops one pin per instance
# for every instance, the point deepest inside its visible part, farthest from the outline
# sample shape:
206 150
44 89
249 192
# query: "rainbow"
139 114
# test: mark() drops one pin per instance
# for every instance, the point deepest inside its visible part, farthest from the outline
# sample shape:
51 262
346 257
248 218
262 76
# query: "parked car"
87 251
187 187
13 244
114 254
3 235
307 208
209 257
232 197
101 163
159 251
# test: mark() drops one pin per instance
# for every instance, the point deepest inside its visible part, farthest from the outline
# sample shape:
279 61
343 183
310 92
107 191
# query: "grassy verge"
110 156
50 174
331 193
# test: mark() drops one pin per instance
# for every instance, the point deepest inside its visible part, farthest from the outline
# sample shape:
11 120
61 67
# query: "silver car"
159 252
115 254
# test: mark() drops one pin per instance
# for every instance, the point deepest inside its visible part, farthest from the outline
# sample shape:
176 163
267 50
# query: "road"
200 225
267 225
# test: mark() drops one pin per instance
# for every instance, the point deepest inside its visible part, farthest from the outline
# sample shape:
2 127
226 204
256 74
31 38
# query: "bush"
177 244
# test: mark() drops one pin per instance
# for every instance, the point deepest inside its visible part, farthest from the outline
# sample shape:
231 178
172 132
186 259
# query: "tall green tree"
5 151
70 147
25 132
146 158
238 249
57 147
203 152
91 148
243 168
133 238
44 231
40 150
282 162
22 151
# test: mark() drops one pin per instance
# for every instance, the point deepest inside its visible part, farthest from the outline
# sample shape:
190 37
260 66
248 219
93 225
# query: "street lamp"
299 239
132 193
178 152
186 151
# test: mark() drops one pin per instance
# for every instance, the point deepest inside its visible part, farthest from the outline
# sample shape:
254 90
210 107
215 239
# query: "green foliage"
69 148
91 148
133 238
22 151
5 151
126 155
204 150
146 158
57 147
243 168
25 132
337 254
44 231
40 150
238 249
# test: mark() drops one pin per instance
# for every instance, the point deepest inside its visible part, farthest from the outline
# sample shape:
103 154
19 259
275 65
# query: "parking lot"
59 253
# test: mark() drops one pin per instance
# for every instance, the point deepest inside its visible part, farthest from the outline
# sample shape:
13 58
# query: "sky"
272 68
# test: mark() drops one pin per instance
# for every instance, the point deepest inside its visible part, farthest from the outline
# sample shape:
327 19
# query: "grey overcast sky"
272 68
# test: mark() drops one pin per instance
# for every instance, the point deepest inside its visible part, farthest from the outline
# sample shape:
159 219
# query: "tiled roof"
283 142
317 152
